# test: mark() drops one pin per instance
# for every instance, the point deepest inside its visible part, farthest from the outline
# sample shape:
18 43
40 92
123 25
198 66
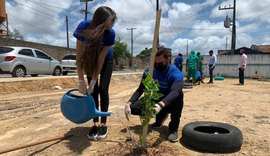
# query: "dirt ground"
30 112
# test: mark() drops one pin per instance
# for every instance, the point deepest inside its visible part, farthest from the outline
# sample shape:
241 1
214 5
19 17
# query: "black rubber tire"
212 137
65 73
57 71
19 71
187 85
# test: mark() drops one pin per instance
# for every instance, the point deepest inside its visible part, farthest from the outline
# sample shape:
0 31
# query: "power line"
38 11
43 6
41 2
25 22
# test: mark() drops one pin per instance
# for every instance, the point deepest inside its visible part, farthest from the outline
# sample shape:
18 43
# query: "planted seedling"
151 94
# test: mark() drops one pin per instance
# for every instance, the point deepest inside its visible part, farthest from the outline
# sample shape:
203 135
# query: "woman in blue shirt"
95 39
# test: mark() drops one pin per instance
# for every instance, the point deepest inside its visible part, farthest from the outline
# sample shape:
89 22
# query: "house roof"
261 48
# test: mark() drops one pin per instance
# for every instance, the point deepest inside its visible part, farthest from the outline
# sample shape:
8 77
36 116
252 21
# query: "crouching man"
170 80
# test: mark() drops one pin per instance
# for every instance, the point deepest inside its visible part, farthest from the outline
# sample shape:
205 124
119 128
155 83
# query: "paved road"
9 78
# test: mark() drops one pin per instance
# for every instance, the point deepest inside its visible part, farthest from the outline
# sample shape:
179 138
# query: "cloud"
206 28
250 10
199 23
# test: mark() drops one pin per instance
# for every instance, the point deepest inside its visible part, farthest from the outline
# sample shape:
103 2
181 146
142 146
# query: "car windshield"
5 50
69 57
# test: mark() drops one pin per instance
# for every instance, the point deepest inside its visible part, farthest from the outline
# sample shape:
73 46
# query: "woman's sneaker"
102 132
93 133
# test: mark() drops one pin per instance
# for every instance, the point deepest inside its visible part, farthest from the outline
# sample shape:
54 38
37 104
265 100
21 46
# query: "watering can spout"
79 109
98 113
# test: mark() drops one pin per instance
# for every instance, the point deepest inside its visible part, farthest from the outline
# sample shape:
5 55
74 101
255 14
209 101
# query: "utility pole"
157 5
187 50
67 31
226 42
157 11
86 8
131 47
233 25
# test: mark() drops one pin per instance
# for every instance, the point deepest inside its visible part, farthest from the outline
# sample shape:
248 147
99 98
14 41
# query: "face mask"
162 66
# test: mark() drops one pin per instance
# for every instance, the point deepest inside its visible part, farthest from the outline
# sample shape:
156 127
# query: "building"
254 49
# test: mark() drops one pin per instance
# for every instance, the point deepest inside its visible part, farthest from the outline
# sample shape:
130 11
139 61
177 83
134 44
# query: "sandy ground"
29 112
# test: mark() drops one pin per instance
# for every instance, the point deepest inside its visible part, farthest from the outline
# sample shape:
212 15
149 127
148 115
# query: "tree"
120 50
145 53
15 34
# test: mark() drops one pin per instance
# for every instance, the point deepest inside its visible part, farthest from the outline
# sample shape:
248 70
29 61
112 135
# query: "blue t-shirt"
178 61
166 79
108 38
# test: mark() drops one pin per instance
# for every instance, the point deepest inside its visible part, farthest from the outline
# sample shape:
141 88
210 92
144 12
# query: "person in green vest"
192 66
200 66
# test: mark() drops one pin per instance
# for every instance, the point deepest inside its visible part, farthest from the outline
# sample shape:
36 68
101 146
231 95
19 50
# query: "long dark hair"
93 39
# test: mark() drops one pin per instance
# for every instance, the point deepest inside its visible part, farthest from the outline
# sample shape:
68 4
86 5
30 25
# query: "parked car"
21 61
69 64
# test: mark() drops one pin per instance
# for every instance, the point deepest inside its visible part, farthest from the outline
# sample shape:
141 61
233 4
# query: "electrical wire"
41 2
38 11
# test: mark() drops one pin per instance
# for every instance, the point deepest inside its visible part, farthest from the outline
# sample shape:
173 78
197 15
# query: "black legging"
103 88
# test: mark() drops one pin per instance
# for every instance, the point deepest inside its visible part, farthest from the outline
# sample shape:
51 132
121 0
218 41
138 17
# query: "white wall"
227 65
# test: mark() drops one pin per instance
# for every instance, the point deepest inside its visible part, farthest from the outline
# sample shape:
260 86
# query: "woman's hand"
91 87
82 87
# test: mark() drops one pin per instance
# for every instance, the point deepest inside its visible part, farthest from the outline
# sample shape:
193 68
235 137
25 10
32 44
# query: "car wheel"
212 137
19 71
34 75
65 73
57 71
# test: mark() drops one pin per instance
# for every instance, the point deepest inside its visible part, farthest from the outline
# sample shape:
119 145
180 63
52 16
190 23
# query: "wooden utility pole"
67 31
233 25
131 46
86 8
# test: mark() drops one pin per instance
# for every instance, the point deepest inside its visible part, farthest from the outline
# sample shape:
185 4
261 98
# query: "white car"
69 64
20 61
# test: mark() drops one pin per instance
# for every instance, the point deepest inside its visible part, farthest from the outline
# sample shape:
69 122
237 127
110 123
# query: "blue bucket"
79 109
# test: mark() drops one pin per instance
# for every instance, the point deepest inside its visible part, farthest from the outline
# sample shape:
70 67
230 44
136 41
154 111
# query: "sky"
196 24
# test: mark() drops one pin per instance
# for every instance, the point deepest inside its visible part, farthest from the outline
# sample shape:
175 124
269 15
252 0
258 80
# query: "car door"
27 59
43 64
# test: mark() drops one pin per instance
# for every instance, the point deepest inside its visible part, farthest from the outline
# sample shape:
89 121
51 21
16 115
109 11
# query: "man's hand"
90 89
127 110
82 86
157 108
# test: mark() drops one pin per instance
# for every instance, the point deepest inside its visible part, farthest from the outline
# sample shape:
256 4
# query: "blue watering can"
79 109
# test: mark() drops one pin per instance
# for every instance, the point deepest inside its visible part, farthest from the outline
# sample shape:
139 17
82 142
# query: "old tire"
187 85
212 137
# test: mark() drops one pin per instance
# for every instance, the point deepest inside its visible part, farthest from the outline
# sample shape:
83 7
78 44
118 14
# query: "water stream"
129 137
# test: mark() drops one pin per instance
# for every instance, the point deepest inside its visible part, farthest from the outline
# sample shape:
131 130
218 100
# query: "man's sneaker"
93 133
173 137
102 132
159 125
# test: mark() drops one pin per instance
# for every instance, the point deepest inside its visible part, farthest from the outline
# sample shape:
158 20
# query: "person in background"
192 66
95 56
211 65
242 63
200 66
178 62
170 80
